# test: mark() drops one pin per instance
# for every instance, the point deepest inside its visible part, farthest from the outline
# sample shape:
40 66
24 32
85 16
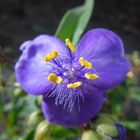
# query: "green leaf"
65 134
29 135
134 93
132 125
74 22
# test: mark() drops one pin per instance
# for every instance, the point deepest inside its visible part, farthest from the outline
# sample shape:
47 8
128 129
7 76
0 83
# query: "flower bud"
103 118
35 117
43 131
90 135
107 131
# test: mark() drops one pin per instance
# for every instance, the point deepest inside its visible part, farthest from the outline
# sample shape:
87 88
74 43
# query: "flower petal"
89 108
111 72
100 43
31 70
104 49
122 132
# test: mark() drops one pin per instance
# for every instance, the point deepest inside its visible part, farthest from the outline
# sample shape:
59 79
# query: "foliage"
74 22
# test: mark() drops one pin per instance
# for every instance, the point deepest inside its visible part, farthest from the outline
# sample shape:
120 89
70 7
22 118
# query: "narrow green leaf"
69 23
74 22
83 21
132 125
29 135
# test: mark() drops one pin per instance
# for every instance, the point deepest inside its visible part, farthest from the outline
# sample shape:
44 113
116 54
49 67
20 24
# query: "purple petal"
104 49
100 43
31 70
112 72
82 112
122 132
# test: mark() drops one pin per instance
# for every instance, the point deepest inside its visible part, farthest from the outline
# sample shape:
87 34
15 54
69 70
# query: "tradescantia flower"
72 80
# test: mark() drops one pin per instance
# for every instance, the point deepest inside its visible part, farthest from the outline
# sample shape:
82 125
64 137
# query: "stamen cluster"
58 79
72 80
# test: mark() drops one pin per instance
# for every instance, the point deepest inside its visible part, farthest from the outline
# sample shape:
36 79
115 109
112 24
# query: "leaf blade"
74 22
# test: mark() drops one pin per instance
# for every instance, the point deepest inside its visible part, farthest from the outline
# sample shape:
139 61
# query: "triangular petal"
104 49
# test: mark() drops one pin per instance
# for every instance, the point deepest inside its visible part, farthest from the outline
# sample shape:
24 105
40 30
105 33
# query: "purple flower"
72 80
122 132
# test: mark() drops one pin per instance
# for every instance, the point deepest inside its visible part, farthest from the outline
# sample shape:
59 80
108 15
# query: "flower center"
69 72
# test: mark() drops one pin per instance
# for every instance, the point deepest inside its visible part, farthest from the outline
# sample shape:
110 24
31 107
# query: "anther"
91 76
85 63
70 45
54 78
74 85
51 56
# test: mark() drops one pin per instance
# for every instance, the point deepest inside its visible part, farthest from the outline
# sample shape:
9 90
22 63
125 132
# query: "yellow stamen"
70 45
74 85
91 76
51 56
85 63
54 78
